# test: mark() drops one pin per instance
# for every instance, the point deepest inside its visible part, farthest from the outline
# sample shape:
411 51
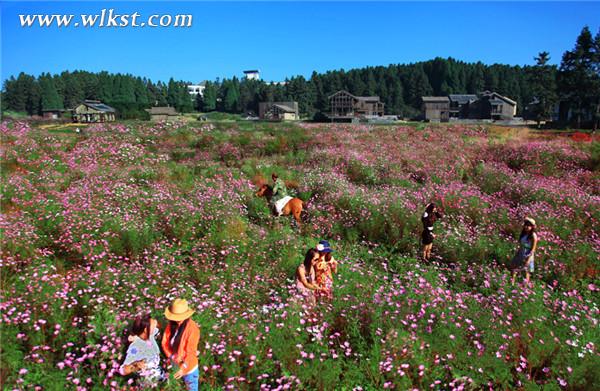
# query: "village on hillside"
439 90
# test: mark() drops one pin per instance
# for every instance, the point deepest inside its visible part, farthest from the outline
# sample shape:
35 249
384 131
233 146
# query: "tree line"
575 83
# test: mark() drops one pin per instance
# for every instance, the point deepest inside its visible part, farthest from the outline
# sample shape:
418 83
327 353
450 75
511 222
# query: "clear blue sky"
290 38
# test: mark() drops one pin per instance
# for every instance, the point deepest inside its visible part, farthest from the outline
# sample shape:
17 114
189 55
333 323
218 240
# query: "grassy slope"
135 215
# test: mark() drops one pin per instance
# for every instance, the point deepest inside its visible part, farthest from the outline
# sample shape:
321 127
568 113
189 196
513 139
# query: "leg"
297 218
191 381
530 269
514 277
427 251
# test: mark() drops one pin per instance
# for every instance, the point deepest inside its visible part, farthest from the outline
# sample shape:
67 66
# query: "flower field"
121 218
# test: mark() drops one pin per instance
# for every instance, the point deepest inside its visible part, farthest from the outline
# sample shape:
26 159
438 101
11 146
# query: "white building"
253 74
196 89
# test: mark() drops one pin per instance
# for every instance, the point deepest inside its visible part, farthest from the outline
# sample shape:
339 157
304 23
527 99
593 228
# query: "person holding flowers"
180 342
524 258
305 276
429 217
324 270
143 355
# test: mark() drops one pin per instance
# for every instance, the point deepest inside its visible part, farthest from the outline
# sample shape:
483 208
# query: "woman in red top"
324 270
180 342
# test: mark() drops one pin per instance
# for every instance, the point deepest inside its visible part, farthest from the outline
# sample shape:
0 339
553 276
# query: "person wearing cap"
324 270
180 342
524 258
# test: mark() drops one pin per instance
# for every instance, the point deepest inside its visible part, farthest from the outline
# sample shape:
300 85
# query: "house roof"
162 110
285 108
462 98
97 105
433 99
367 98
364 98
252 71
495 95
340 92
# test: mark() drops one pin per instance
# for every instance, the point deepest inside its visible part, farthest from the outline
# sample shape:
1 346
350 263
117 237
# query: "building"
163 113
459 104
253 74
53 114
196 89
485 106
497 107
436 108
90 111
345 106
278 111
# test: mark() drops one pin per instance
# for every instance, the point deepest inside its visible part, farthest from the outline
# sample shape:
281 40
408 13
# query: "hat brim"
530 221
326 250
178 317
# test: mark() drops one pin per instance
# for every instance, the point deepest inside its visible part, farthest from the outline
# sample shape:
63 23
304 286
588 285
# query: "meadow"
121 218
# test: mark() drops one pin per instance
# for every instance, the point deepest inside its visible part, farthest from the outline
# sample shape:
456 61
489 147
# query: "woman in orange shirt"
324 270
180 342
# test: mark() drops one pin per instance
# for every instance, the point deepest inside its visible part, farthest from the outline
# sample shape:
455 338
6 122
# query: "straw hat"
178 310
530 220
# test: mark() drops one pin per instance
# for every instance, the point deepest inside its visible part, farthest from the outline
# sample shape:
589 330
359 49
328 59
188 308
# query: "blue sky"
290 38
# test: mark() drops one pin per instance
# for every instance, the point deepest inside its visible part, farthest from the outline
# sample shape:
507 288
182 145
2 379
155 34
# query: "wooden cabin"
491 105
344 105
162 113
90 111
278 111
486 105
459 104
53 114
436 108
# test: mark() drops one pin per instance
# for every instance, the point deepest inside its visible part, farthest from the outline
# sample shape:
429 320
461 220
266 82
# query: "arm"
189 354
533 247
302 277
276 187
132 368
165 343
334 265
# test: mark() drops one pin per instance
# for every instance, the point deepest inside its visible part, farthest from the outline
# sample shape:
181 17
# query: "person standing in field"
143 354
305 276
180 342
324 269
524 258
429 217
280 194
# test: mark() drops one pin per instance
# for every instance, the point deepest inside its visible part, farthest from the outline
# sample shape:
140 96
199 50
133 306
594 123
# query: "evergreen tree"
49 95
418 86
185 103
476 82
231 96
173 93
543 85
578 76
15 95
209 99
